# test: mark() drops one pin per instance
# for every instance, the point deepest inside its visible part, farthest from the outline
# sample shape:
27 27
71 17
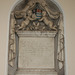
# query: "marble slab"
36 72
36 52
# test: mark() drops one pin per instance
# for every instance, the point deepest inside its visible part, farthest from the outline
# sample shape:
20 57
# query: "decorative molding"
36 16
36 20
50 34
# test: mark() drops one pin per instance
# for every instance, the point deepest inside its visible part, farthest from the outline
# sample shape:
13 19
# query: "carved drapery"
12 45
61 46
28 20
47 17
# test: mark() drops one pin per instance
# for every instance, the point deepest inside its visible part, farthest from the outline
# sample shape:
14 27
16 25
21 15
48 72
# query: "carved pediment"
36 16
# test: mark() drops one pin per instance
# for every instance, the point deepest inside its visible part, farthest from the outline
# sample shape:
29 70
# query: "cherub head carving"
44 13
29 13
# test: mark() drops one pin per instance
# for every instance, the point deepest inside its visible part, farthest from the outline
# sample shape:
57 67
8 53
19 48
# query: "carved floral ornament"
36 16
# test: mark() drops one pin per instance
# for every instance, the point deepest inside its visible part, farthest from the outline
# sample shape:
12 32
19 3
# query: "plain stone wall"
69 12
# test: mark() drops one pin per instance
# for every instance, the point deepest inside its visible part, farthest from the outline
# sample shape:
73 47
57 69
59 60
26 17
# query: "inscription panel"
36 52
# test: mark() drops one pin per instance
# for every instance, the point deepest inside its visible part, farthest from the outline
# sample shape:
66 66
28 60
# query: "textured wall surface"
68 7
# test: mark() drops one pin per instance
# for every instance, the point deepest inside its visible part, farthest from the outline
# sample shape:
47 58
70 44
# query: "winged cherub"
27 20
46 21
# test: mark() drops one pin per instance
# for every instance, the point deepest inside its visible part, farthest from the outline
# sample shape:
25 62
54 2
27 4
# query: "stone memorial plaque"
36 39
36 52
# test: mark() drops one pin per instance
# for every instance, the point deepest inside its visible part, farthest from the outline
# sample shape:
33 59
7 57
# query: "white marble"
50 34
36 72
36 52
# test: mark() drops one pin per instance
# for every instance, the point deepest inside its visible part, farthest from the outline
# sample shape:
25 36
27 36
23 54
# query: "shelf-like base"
37 33
36 72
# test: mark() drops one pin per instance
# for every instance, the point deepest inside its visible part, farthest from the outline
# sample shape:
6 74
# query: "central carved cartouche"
35 19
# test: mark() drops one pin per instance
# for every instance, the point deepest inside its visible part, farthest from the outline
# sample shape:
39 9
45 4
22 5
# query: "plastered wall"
68 7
